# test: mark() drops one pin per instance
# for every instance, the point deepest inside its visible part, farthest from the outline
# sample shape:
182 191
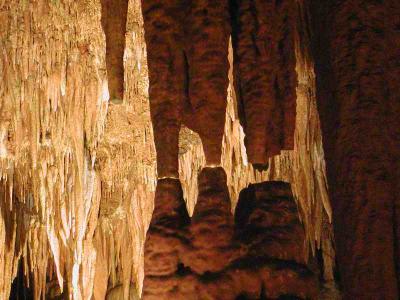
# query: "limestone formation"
356 63
187 44
113 20
266 79
218 131
78 173
261 254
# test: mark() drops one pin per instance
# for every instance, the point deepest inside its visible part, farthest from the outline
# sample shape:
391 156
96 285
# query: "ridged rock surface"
265 74
187 44
78 175
357 53
209 256
53 111
304 167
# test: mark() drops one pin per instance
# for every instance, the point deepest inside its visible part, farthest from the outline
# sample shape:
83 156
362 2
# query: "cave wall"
353 47
67 153
296 77
51 106
304 167
79 172
355 44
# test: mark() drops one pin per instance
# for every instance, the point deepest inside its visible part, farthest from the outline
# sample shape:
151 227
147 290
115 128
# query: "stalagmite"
304 167
209 256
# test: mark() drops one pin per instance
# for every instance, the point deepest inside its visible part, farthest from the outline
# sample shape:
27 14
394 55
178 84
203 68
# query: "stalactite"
52 92
265 75
126 165
304 167
187 54
12 237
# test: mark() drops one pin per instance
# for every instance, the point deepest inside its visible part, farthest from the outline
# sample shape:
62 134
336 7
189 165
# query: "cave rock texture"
187 48
356 48
266 78
258 253
183 149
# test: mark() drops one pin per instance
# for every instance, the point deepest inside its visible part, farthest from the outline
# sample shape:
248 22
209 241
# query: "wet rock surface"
256 254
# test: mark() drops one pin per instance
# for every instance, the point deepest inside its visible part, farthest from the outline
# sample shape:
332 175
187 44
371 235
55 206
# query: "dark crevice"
19 288
187 105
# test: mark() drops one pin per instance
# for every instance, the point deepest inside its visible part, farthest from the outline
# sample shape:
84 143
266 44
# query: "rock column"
356 66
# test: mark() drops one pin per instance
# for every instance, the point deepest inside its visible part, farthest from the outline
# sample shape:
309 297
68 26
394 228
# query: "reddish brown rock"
187 46
392 76
357 61
113 19
166 237
265 75
207 31
267 222
166 78
211 226
262 255
268 228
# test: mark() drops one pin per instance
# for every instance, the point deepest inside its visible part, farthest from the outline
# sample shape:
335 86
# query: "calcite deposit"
265 74
259 252
79 172
187 45
222 116
113 20
356 47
